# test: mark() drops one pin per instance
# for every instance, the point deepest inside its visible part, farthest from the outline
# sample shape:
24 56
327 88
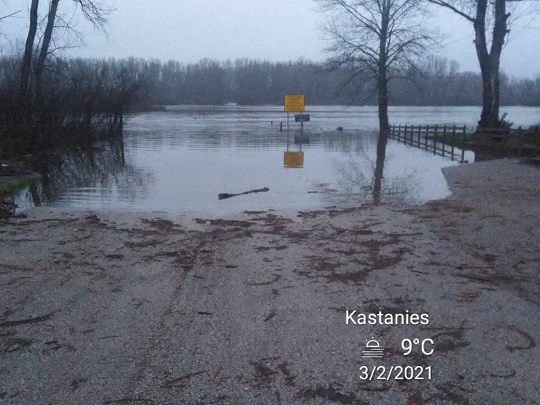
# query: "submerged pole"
287 131
463 146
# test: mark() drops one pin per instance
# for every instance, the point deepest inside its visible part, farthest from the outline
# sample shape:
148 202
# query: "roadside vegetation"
12 187
81 101
47 101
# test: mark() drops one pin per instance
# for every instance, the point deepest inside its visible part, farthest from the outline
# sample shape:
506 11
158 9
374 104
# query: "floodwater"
180 159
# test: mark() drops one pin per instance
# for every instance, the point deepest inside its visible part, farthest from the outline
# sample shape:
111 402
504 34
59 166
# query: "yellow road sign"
293 159
294 102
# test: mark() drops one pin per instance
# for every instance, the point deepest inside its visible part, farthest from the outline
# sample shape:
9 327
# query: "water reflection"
366 179
98 173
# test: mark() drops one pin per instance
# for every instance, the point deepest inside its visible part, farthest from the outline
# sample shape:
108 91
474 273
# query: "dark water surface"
179 160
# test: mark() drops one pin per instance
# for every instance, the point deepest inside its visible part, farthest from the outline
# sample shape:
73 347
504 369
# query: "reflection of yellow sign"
293 159
294 102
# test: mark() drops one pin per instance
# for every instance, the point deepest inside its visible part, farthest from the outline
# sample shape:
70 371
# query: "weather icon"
373 349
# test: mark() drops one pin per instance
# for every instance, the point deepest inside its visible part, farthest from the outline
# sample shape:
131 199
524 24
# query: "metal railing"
439 139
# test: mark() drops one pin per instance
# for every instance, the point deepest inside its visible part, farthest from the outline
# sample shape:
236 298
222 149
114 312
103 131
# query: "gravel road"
109 308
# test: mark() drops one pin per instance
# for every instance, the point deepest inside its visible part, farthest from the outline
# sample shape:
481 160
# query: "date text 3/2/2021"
395 373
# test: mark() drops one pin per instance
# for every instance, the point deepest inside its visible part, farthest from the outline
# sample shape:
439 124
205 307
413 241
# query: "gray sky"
277 30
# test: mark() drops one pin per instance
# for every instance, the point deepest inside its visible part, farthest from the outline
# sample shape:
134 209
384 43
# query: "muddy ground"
137 309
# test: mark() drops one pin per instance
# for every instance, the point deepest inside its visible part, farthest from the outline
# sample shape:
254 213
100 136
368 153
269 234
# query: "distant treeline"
79 100
251 82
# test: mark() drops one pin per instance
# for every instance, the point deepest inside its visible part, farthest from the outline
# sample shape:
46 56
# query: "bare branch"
96 12
10 15
453 7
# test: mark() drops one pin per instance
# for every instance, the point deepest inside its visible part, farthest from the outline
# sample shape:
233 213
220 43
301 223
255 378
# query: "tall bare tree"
45 45
378 39
485 15
26 65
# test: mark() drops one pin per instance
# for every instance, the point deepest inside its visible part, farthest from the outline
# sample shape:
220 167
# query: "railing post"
405 135
444 141
453 140
463 141
435 140
426 138
520 142
410 130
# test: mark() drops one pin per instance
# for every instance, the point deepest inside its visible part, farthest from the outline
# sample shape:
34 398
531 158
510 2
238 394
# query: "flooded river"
180 159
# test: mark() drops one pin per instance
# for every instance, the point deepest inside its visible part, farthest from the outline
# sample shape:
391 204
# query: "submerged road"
263 308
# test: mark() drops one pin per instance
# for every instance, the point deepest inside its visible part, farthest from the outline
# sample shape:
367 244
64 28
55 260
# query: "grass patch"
11 187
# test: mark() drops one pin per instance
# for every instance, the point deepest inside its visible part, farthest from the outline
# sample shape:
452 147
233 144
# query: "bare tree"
480 13
379 39
29 48
45 44
93 10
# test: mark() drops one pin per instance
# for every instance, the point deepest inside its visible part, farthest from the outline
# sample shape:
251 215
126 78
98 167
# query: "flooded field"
180 159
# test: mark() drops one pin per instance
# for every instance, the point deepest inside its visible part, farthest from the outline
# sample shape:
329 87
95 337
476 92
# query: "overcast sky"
276 30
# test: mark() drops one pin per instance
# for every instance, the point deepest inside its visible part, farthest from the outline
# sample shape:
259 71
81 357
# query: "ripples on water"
180 159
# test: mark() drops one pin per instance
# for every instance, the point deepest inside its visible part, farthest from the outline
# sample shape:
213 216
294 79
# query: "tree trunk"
490 61
489 118
382 87
29 48
384 128
384 123
382 77
44 51
378 175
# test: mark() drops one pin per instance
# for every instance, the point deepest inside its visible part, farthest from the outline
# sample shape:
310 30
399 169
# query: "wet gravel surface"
126 309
